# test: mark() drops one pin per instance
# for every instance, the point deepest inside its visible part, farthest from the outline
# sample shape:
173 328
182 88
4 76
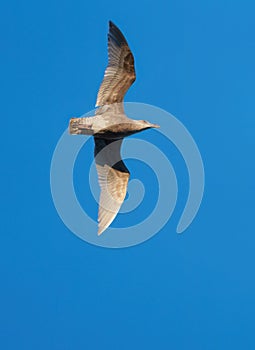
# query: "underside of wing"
113 178
120 72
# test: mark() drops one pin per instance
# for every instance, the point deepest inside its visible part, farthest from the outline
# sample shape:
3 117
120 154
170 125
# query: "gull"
110 125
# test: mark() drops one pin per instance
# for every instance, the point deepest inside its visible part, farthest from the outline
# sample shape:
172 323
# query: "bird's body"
110 125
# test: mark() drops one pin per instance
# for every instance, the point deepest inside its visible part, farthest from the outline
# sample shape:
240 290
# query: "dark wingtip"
111 24
113 27
116 34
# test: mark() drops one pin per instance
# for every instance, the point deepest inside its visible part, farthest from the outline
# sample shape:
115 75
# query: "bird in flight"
110 125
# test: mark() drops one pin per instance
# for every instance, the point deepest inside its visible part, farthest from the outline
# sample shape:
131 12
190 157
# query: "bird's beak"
154 125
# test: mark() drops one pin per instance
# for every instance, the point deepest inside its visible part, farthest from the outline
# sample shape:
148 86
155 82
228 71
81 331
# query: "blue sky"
194 59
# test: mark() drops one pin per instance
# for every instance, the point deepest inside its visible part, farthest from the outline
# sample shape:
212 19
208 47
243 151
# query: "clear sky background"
194 59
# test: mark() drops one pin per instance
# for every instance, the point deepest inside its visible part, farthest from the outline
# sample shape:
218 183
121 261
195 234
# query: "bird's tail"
81 126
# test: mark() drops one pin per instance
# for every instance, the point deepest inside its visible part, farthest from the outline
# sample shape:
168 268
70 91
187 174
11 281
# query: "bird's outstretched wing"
120 72
113 178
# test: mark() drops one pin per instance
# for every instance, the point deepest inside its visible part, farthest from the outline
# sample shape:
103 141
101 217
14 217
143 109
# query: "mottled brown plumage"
120 72
110 125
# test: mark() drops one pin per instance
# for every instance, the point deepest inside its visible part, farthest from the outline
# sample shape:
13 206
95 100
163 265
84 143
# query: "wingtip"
112 25
100 230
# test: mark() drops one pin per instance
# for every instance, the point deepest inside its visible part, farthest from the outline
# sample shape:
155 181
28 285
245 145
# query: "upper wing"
112 109
120 72
113 178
